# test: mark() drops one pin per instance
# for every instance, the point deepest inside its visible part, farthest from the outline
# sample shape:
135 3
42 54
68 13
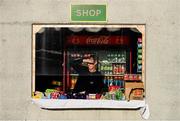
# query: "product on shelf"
113 81
81 54
91 96
73 81
113 63
139 40
63 96
115 93
54 95
137 94
50 94
134 90
132 77
139 55
119 69
38 95
110 69
56 83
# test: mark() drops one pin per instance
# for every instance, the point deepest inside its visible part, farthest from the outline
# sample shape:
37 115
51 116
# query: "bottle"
123 83
72 82
102 69
119 69
123 69
85 55
112 57
116 57
111 81
114 69
139 56
77 55
105 80
120 82
108 58
111 69
123 58
108 81
119 58
99 67
116 80
105 69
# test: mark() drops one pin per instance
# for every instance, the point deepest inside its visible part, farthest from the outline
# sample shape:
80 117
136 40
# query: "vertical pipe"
130 61
64 69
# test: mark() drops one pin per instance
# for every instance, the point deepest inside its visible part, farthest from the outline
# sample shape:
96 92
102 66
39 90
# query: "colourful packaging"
62 97
50 90
139 40
139 51
38 95
55 95
113 88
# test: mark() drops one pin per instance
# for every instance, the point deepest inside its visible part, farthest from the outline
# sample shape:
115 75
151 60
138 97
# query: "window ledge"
80 103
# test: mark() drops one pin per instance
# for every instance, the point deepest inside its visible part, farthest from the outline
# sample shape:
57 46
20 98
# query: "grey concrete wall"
162 56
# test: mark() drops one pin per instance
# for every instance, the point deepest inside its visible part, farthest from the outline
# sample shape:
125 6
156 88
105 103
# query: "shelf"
132 77
102 74
113 62
74 74
113 74
48 74
134 80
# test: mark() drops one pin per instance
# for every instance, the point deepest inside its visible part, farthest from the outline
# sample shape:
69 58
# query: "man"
89 79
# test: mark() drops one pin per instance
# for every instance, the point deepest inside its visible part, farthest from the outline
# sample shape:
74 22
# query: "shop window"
89 63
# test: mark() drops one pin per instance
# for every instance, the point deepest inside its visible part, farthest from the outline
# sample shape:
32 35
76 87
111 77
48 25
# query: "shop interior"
118 57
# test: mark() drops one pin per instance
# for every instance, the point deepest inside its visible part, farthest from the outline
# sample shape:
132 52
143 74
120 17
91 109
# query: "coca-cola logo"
97 40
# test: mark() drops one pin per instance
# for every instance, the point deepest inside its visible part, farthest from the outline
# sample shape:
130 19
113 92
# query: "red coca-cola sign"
98 40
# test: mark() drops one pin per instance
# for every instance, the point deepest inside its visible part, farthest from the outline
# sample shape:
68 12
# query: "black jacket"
87 81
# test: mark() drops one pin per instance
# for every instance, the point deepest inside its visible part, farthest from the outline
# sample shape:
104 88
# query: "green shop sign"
88 13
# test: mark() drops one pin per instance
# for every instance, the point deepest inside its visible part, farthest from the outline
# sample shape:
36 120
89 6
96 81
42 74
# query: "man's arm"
77 64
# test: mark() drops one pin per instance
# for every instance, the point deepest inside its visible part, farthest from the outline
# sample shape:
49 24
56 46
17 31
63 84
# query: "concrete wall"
162 56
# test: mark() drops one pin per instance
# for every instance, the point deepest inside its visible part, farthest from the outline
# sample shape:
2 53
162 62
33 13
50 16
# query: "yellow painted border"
37 26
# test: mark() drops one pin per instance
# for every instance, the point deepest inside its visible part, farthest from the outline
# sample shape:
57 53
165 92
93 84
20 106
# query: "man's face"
92 64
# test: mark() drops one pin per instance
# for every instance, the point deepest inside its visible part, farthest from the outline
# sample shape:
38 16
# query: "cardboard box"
134 90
